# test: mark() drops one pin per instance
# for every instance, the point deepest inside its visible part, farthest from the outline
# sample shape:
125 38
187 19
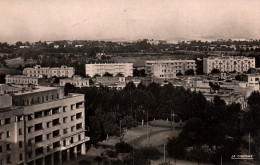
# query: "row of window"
54 134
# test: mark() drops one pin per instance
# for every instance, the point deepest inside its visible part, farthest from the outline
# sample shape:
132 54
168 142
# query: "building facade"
77 81
38 71
168 69
113 68
42 126
21 79
228 64
251 79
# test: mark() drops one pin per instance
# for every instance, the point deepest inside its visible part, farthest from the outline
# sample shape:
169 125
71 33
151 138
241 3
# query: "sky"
120 20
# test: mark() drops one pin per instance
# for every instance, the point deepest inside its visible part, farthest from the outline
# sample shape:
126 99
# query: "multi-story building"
22 79
77 81
41 126
167 69
38 71
113 68
228 64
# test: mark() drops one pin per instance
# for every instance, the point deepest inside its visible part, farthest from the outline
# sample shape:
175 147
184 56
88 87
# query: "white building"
38 71
167 69
21 79
77 81
41 126
251 79
228 64
113 68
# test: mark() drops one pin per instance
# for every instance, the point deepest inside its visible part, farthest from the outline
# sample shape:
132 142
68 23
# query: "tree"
179 74
189 72
119 75
107 74
215 71
96 75
2 78
94 129
176 148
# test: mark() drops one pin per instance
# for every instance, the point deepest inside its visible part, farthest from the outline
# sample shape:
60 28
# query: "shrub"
151 153
123 147
112 154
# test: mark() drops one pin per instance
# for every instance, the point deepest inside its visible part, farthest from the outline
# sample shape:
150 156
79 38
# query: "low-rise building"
41 126
22 79
115 82
77 81
251 79
38 71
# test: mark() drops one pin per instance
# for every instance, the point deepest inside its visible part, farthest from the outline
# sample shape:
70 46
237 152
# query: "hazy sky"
34 20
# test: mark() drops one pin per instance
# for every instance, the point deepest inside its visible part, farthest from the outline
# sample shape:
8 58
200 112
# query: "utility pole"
249 144
120 130
147 128
164 153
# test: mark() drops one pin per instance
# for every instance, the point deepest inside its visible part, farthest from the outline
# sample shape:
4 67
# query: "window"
79 126
65 131
65 109
47 112
39 151
48 124
65 119
1 149
79 115
8 146
8 121
8 134
29 154
56 133
49 148
21 157
55 111
72 128
56 144
30 117
30 141
8 158
30 129
72 106
72 117
55 122
71 140
20 131
79 137
20 144
38 127
79 105
38 114
38 138
19 118
1 135
48 136
64 142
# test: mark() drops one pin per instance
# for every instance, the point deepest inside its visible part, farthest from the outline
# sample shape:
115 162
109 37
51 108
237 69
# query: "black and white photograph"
130 82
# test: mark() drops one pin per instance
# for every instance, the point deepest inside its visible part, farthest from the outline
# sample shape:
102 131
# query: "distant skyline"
122 20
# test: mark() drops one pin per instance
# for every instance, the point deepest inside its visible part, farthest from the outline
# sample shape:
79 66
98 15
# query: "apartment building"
113 68
38 71
168 69
41 126
77 81
228 64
